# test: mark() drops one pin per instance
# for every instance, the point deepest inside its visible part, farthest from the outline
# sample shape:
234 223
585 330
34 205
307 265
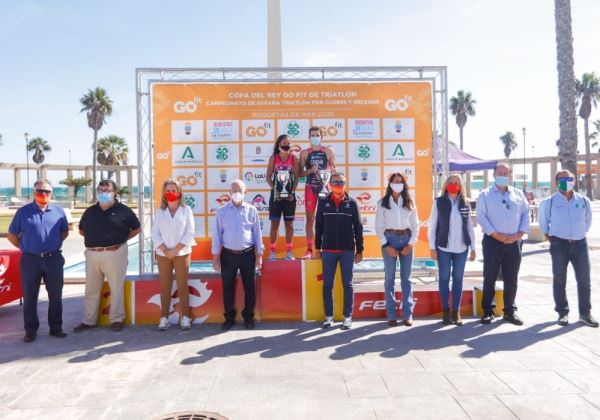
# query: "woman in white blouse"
397 226
450 234
173 238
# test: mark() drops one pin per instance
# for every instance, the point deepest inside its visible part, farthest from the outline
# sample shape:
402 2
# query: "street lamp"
27 160
524 150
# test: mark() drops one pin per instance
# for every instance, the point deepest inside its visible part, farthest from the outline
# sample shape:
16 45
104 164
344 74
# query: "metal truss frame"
145 77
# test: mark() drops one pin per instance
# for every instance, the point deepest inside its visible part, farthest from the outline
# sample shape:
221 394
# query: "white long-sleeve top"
456 240
172 230
397 218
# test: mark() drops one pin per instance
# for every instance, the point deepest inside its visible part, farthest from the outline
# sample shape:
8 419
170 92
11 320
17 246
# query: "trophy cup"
324 175
284 178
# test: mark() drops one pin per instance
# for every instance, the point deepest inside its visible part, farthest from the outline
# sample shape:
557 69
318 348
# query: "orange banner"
207 135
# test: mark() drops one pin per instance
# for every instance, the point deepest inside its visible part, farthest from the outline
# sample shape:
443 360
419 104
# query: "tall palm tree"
588 94
595 134
112 150
509 142
567 143
38 146
462 105
98 106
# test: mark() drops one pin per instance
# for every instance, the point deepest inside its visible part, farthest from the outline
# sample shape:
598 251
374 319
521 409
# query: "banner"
10 275
207 135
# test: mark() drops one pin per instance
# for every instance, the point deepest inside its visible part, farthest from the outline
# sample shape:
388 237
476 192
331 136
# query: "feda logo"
364 151
398 104
181 107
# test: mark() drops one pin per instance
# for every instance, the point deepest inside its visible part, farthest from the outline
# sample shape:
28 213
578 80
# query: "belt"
399 232
43 254
105 248
566 240
242 252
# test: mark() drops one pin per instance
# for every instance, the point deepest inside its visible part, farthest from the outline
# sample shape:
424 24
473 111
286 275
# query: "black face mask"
285 148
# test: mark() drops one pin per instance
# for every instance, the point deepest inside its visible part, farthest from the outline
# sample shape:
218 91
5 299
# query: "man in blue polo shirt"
565 218
38 230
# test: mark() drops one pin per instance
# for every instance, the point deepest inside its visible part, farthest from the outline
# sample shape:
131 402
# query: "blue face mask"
105 197
502 181
315 140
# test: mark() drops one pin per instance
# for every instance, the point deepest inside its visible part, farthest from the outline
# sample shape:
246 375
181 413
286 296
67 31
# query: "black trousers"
498 256
33 269
246 264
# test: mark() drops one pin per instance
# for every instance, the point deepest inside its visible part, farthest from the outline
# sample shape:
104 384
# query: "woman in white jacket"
173 238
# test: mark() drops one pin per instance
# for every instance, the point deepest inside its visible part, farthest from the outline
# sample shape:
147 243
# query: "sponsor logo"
364 152
398 104
222 154
364 173
189 180
293 129
222 130
364 128
163 155
199 295
220 201
423 153
223 175
398 151
191 201
255 177
364 200
189 107
260 131
4 262
248 176
260 202
332 130
365 222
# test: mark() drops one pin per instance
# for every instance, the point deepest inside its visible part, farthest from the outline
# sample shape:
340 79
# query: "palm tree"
462 105
595 134
77 184
98 106
38 145
588 94
112 150
508 140
567 143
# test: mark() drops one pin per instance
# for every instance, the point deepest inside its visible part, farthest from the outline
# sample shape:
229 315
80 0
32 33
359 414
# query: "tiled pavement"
297 371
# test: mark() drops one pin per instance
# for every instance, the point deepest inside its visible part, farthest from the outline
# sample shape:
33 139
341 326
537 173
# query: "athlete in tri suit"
317 157
282 160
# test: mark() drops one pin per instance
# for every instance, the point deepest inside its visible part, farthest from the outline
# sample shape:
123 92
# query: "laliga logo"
398 104
199 294
180 107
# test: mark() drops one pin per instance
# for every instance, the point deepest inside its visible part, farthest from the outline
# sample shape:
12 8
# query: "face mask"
237 197
566 186
105 197
337 190
171 197
285 148
397 188
453 188
315 140
41 199
502 181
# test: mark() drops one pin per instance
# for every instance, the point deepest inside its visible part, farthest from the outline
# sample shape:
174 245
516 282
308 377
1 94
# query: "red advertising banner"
10 275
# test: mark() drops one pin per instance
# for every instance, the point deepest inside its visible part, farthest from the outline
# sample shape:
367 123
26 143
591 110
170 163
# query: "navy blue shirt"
39 231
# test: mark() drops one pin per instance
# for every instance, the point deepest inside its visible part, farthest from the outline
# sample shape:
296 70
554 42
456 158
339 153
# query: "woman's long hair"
163 200
461 195
407 202
281 138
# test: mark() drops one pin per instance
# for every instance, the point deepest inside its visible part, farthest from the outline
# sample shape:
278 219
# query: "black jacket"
338 228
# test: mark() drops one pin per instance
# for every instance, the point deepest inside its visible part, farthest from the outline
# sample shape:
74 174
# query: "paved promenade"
298 371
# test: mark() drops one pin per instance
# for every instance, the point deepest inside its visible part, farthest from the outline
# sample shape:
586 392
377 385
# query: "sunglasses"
566 179
506 204
46 192
337 182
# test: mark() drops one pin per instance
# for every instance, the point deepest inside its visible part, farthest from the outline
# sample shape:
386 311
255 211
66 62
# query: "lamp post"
27 160
524 151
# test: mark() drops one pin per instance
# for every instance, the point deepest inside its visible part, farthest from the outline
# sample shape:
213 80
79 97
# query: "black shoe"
487 318
563 320
58 333
29 337
446 317
513 319
393 322
455 317
226 326
249 324
82 327
589 320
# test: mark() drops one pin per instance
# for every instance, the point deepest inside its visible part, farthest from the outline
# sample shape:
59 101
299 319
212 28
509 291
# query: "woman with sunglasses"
450 233
173 238
397 226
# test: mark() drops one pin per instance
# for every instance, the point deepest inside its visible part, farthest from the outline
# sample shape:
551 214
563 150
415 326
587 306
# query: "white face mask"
237 197
315 140
397 188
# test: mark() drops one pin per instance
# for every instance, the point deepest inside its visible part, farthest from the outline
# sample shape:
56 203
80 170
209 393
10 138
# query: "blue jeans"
563 252
451 262
330 263
398 242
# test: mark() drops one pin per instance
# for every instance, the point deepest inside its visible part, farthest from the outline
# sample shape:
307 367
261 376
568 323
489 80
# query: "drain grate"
191 415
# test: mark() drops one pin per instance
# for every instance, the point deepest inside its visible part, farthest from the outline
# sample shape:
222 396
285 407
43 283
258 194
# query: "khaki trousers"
181 265
113 266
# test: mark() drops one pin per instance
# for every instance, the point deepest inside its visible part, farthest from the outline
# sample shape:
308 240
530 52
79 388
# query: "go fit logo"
189 107
398 104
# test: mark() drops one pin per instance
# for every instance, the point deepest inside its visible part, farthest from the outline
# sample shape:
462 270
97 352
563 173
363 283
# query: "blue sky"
503 51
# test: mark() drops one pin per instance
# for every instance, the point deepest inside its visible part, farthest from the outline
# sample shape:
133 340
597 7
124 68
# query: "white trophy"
324 175
284 178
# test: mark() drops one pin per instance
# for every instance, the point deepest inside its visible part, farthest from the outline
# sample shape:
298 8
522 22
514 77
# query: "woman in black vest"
450 235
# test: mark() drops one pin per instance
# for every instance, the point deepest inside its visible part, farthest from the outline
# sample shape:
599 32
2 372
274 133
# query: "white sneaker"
185 323
164 324
289 256
272 256
328 322
347 324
